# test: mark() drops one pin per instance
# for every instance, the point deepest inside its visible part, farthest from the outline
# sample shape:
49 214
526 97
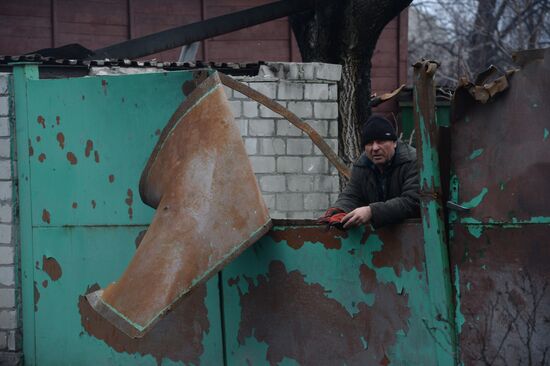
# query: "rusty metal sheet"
503 293
209 209
500 151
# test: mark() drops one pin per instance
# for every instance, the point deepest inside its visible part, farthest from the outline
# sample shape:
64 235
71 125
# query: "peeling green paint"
501 186
546 134
474 202
476 153
459 317
469 286
475 230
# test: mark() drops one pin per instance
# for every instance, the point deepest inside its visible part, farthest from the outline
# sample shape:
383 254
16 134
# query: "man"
384 187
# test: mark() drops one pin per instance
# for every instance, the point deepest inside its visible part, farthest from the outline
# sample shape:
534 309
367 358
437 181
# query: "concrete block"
290 202
269 89
5 148
320 126
251 146
5 233
316 91
333 129
4 105
263 164
14 341
326 183
315 165
273 183
4 126
298 146
6 255
333 92
5 190
7 297
4 83
333 198
228 92
5 169
7 276
277 214
243 126
301 109
8 319
3 340
301 215
6 212
299 183
285 128
268 113
333 143
237 95
261 127
272 146
289 164
330 72
269 201
316 201
250 109
308 71
327 110
236 108
290 91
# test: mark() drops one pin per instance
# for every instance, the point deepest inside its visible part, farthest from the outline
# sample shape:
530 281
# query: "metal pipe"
198 31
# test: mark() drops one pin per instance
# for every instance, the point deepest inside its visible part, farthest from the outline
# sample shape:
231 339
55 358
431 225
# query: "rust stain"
96 156
75 205
46 216
61 140
139 238
178 336
36 296
111 178
45 283
104 84
72 158
188 87
31 150
297 237
89 148
38 138
41 121
129 201
233 281
57 119
402 250
51 267
157 132
93 204
41 157
333 335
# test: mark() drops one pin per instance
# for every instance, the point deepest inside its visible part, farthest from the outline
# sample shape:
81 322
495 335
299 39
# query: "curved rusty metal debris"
209 209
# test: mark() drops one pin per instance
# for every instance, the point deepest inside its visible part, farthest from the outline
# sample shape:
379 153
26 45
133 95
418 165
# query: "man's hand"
325 219
359 216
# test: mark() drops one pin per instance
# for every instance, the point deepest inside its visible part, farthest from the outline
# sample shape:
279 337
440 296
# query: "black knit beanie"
377 128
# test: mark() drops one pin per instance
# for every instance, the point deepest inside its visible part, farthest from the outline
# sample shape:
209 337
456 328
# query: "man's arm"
351 197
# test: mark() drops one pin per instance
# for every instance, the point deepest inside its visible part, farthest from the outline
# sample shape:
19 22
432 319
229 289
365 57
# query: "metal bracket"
455 206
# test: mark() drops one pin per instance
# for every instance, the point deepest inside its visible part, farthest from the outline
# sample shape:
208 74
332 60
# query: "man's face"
380 151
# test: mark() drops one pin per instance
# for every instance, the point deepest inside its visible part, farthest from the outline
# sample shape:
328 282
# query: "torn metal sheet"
209 209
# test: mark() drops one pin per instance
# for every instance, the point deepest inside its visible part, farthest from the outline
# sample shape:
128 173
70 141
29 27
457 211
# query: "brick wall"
296 179
9 286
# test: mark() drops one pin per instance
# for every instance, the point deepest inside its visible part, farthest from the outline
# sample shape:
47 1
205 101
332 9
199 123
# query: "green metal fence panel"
82 144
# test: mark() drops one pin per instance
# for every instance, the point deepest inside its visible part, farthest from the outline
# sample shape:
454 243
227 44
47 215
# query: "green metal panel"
442 116
82 144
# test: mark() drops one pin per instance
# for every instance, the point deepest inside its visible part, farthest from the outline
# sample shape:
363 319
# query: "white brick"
272 183
290 202
261 127
330 72
5 213
315 165
292 91
228 92
3 340
7 276
278 214
5 190
316 91
262 164
326 183
6 255
5 148
250 109
288 164
4 126
301 215
333 198
301 109
333 129
13 341
268 89
325 109
299 183
236 108
268 113
272 146
251 146
8 319
5 233
4 83
238 95
4 106
320 126
7 297
298 146
333 143
243 126
315 201
5 169
285 128
333 92
269 201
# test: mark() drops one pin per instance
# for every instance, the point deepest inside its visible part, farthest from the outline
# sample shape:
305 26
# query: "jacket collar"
403 153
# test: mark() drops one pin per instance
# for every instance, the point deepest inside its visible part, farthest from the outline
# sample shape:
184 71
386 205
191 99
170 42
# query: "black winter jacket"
392 195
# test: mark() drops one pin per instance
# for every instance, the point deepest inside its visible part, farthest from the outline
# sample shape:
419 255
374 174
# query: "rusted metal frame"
441 324
187 34
292 118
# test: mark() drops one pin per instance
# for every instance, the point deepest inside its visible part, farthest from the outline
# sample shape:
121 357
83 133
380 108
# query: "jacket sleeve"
351 196
402 207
